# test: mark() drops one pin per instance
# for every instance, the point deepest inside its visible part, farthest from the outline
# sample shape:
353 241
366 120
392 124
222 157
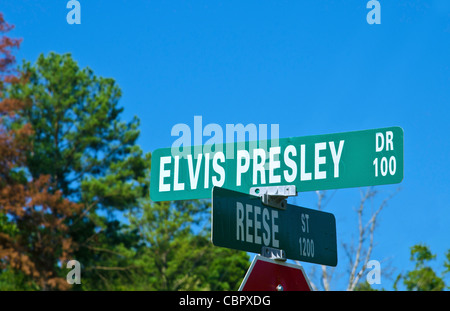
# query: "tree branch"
370 226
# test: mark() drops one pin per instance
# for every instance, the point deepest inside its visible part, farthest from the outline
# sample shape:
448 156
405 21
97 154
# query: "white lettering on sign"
256 225
306 244
290 177
319 160
218 169
336 156
305 222
258 165
193 177
274 164
303 174
383 166
283 165
176 184
164 173
242 168
379 141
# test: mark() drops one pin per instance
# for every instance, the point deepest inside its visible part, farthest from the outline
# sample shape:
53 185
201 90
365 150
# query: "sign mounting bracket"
273 253
274 196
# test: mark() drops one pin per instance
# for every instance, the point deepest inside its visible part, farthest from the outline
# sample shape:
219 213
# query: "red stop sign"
266 274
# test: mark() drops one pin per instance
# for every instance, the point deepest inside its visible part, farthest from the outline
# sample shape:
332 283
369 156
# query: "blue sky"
313 67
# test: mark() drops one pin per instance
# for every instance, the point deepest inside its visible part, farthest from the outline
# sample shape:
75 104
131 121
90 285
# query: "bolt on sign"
240 221
320 162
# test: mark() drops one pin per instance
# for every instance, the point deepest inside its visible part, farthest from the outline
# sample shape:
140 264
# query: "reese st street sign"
240 221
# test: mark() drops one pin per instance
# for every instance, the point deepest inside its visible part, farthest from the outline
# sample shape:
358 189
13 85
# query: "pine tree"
89 154
34 237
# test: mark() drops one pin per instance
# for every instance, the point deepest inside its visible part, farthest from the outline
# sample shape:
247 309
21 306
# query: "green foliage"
421 254
364 286
13 280
8 226
91 155
177 258
423 277
447 264
79 138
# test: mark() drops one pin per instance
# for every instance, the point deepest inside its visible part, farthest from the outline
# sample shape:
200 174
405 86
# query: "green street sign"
240 221
320 162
